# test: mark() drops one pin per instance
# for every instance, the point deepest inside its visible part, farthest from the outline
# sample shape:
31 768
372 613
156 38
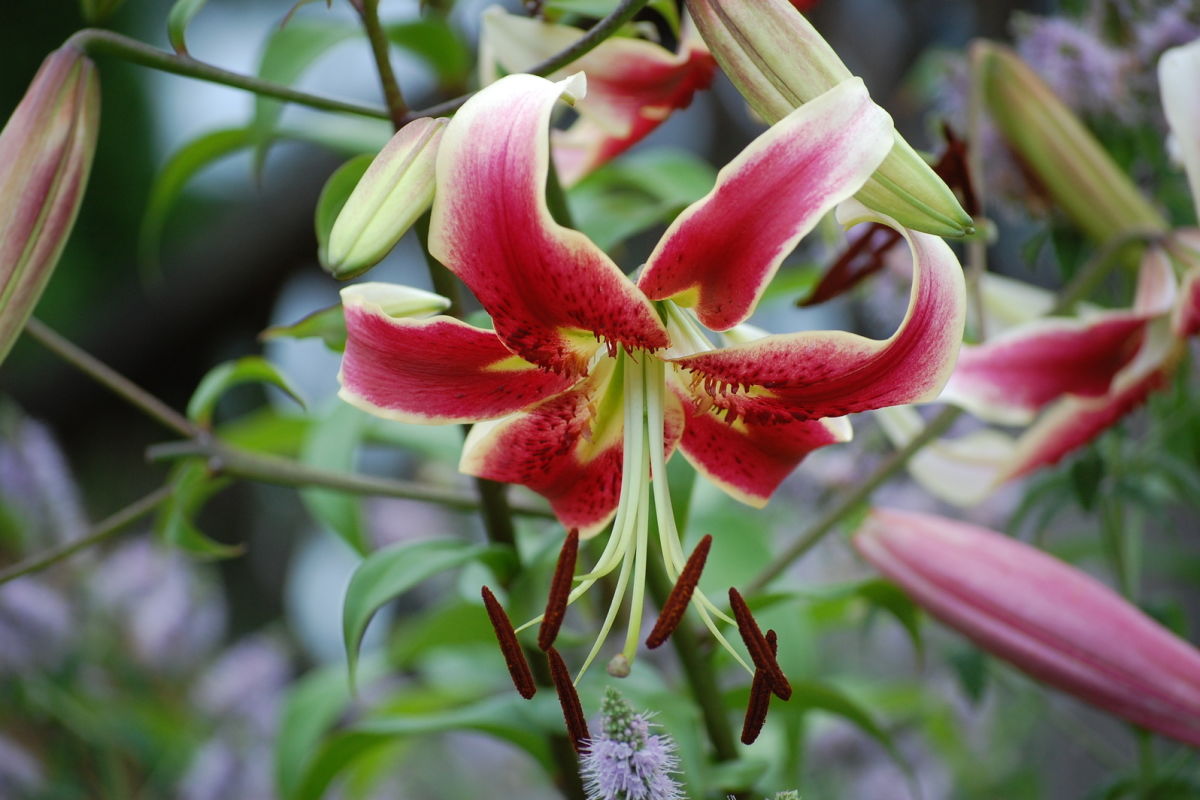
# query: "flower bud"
395 190
1051 620
778 61
46 151
1058 149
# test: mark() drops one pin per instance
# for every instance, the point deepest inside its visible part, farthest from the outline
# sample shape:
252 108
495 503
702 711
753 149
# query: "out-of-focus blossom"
226 768
633 84
1049 619
46 151
778 62
1092 75
35 480
626 761
172 616
20 773
36 626
246 683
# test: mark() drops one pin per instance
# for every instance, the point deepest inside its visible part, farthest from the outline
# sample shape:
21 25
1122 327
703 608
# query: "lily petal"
633 84
1177 71
435 370
818 374
1187 314
564 450
723 250
1051 620
749 461
551 291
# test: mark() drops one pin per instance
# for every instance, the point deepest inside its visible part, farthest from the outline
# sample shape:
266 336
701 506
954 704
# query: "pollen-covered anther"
560 589
681 595
760 698
756 643
514 656
568 698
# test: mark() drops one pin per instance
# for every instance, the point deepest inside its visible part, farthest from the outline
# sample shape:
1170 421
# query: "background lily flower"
633 84
1047 618
46 151
589 381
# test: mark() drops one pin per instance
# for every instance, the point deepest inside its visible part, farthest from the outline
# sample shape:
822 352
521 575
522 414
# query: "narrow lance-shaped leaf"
224 377
178 20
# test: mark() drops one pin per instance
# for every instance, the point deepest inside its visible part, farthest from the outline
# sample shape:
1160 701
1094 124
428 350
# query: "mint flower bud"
626 761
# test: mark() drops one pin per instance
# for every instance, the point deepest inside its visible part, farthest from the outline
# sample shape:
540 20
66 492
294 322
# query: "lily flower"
1070 379
589 381
633 84
1047 618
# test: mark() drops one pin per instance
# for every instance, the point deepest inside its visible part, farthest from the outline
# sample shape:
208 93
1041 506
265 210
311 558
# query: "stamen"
680 596
568 698
560 589
760 698
756 643
514 656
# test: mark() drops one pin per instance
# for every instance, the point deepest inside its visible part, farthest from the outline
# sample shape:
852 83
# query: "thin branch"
100 42
380 50
595 35
110 378
830 519
240 463
99 532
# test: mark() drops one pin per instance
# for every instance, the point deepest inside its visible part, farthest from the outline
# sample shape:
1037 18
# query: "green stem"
240 463
830 519
100 42
596 34
110 378
397 108
99 532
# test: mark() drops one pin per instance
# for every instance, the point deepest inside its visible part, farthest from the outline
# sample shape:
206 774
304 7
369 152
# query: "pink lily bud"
1049 619
46 153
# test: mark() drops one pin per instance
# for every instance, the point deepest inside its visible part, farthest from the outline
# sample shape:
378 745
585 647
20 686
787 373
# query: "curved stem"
99 532
397 108
94 41
596 34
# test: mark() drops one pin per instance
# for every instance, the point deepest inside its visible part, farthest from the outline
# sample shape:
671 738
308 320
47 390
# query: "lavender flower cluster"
626 761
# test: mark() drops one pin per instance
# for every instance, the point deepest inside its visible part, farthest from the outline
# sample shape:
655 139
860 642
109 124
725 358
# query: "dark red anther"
760 698
560 590
514 656
756 643
681 594
568 698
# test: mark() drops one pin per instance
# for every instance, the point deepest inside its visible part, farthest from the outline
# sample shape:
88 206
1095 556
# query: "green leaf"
174 176
388 573
223 377
191 486
971 666
327 324
1086 473
507 717
289 52
178 19
434 42
332 443
333 197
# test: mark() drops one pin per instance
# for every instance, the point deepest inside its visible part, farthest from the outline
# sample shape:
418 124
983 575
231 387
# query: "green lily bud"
395 190
46 151
778 61
1058 149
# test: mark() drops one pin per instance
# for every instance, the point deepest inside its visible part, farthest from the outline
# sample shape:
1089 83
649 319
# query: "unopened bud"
395 190
778 62
1064 156
46 151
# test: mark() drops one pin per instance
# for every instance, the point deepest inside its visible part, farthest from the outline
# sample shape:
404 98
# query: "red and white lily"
590 381
633 84
1070 379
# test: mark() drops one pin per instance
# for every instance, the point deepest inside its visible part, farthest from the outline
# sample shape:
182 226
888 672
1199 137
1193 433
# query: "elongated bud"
395 190
778 61
1058 149
46 151
1049 619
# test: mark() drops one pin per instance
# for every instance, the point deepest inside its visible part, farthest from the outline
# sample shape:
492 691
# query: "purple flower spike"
626 761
